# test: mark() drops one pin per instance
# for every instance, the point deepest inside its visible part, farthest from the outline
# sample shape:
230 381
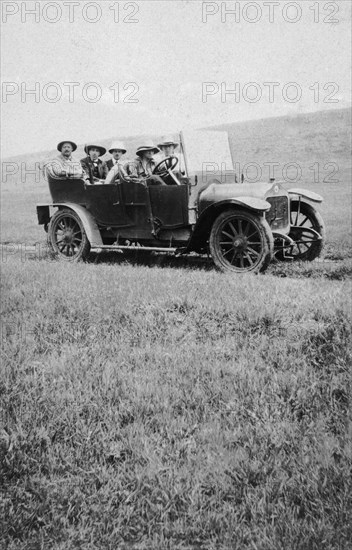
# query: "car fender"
89 224
207 217
296 193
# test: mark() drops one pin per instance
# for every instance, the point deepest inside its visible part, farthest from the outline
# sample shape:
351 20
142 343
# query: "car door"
136 201
105 204
169 205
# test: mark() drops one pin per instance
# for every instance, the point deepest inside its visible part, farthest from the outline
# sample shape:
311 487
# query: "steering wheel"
170 164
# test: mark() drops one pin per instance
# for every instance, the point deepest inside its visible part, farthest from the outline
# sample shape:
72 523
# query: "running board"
135 248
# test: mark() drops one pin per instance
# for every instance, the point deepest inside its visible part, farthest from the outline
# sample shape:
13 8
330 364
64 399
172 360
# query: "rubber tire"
317 223
84 247
266 239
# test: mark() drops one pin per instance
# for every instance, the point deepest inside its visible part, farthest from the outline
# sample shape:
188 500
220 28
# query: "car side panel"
106 206
169 204
135 198
104 202
67 190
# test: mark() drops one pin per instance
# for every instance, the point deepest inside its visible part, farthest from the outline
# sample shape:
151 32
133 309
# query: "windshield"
207 153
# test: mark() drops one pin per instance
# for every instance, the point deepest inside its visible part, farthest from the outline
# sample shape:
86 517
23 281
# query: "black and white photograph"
176 266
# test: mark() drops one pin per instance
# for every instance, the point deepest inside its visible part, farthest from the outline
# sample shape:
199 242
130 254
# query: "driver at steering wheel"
168 146
142 168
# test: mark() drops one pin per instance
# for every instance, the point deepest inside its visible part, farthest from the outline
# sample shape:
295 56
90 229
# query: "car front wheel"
66 236
241 242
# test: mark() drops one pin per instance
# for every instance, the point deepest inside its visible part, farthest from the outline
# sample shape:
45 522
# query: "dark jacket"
110 164
98 171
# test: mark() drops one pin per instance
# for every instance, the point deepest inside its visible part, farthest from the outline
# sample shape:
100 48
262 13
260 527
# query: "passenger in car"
141 169
117 150
168 146
116 164
64 165
96 168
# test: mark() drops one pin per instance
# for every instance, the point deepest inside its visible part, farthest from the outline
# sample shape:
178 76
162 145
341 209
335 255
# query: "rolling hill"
322 137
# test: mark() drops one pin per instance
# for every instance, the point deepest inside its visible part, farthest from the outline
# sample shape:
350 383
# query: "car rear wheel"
66 236
307 230
241 242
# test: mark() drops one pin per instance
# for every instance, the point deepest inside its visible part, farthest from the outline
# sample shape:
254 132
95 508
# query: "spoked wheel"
67 237
307 230
241 242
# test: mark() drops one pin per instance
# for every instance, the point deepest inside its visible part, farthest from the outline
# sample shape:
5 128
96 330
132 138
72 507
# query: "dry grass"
173 408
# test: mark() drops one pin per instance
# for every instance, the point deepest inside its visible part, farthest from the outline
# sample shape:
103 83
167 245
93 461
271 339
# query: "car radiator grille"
277 216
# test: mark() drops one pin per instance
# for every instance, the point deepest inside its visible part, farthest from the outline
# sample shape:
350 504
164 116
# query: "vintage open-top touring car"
242 225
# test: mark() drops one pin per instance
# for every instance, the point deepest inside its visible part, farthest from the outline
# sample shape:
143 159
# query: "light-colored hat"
149 146
117 146
167 141
101 149
59 145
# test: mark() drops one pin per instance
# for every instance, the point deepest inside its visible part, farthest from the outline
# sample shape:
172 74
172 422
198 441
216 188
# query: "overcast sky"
167 51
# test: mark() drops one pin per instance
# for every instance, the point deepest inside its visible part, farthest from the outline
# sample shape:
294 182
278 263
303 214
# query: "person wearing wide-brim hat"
64 165
142 167
168 146
96 168
98 149
117 146
62 143
116 164
148 147
117 150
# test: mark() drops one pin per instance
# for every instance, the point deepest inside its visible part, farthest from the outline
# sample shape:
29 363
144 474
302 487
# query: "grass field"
150 402
171 408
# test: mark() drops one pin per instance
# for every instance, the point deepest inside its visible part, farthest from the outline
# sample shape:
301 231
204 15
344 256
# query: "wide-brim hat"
102 150
167 141
148 146
117 146
59 145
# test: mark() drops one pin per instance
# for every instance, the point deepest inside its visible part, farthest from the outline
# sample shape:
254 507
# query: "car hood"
216 192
